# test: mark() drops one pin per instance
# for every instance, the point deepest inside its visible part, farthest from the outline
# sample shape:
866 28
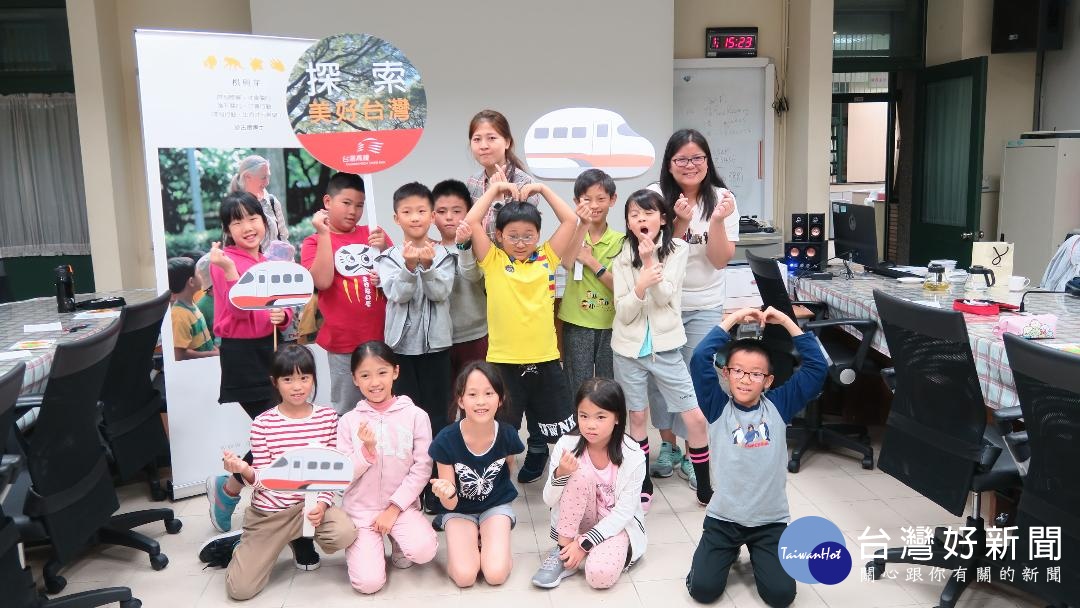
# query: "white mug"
1018 283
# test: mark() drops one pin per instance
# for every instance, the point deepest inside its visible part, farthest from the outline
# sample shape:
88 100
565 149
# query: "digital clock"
731 42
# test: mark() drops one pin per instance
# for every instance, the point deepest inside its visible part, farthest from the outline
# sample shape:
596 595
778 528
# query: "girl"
647 331
387 437
707 218
592 489
492 146
275 518
474 456
253 176
247 344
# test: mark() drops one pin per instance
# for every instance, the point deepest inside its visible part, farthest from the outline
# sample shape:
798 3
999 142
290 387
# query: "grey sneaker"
664 465
686 471
397 556
551 571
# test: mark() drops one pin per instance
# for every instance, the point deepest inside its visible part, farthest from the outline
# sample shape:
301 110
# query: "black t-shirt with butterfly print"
483 480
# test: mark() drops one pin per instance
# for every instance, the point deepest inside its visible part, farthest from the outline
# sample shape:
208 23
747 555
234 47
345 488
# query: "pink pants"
366 557
578 514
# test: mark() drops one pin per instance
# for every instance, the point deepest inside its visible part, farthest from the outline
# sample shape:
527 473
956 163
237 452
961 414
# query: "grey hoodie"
418 303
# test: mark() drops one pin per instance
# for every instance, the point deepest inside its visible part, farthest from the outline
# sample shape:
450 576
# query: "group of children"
469 319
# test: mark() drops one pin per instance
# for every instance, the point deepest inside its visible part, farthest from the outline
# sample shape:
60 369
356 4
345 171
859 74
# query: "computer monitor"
855 233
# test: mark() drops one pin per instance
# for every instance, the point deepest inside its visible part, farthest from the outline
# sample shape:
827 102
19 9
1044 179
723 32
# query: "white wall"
1061 78
522 59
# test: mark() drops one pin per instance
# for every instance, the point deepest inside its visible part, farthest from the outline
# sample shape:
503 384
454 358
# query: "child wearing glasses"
520 282
748 443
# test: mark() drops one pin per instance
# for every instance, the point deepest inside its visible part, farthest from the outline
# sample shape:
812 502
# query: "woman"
253 176
492 146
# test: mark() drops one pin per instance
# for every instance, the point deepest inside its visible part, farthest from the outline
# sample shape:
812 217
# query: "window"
578 132
338 466
299 278
560 132
279 463
601 130
262 278
275 279
296 464
247 278
312 465
325 466
286 278
624 129
540 133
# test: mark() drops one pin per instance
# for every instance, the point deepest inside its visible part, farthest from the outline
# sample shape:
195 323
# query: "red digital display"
732 42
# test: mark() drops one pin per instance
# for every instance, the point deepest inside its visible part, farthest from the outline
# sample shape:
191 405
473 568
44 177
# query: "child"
520 282
647 331
593 489
341 258
474 456
588 304
191 339
468 302
275 518
387 437
247 343
492 145
749 506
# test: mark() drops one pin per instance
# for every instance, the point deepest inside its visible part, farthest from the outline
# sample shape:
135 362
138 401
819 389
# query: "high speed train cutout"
312 469
565 143
272 285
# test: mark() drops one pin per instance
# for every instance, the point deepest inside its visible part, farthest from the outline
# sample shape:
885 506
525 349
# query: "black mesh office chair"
131 406
1048 386
844 366
70 497
16 582
936 438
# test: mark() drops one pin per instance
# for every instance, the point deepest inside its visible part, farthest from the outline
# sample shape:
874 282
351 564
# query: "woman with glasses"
253 176
707 218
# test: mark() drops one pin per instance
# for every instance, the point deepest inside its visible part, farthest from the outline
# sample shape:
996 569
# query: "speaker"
799 226
816 227
804 257
1026 25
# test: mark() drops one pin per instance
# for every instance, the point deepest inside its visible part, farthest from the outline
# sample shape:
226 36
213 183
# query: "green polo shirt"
588 302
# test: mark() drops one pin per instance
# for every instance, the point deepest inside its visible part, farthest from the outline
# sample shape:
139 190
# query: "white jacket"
627 513
662 306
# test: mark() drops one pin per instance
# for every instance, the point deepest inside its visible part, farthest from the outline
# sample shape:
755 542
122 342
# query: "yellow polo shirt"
521 306
588 302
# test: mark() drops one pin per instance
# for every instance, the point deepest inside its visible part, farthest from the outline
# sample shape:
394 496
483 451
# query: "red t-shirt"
353 308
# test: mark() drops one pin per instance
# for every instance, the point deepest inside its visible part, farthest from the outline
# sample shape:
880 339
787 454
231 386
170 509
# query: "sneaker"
686 471
304 555
551 571
646 501
533 467
397 556
664 464
221 504
217 552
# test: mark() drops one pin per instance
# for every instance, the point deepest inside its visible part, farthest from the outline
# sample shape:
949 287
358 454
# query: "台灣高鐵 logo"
812 550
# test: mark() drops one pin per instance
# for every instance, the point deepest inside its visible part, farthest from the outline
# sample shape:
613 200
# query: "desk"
855 299
14 315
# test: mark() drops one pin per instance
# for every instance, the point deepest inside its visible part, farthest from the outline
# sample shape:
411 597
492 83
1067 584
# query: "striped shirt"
272 434
478 185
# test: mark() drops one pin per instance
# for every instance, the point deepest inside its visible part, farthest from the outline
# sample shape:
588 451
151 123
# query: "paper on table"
14 354
32 344
930 303
36 327
90 315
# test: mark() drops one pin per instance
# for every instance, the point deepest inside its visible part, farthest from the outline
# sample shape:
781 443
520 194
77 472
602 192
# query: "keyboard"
892 273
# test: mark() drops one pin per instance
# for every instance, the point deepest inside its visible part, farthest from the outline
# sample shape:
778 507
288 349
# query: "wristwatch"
585 544
600 271
464 246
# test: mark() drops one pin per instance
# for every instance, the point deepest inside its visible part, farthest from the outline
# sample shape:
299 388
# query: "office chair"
1048 385
17 582
844 365
131 406
936 438
70 497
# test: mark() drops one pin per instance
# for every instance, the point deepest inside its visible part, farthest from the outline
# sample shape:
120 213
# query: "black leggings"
253 409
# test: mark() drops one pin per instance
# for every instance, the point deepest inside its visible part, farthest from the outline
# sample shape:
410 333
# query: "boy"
588 303
520 281
341 259
191 338
747 441
206 302
468 302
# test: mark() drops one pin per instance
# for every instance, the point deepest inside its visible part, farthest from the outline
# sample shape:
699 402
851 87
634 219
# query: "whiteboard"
730 102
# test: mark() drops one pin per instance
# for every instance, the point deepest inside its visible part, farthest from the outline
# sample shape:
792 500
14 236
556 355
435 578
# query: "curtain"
42 201
947 153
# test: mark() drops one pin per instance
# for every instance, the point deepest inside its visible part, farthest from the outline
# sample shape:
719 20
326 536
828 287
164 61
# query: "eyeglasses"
738 374
693 160
520 240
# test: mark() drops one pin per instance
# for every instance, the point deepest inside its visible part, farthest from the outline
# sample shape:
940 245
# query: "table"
14 315
854 298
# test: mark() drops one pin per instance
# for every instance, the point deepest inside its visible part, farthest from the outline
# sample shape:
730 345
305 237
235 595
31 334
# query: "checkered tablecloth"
14 315
855 299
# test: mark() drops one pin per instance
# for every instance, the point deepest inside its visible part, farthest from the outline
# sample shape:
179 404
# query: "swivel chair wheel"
878 566
868 463
132 603
793 466
172 526
159 561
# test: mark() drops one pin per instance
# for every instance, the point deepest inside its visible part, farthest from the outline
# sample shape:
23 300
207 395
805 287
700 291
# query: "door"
948 161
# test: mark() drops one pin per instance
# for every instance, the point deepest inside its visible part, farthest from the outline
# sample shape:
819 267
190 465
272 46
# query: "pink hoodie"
401 468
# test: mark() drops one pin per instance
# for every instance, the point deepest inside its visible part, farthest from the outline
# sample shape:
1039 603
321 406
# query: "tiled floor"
829 485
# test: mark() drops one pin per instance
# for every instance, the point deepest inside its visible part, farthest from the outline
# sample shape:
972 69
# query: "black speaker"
803 257
1026 25
799 226
816 227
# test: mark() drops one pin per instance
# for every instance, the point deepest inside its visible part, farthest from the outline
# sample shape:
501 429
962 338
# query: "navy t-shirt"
483 481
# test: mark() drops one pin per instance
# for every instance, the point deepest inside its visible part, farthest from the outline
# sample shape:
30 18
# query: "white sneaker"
397 556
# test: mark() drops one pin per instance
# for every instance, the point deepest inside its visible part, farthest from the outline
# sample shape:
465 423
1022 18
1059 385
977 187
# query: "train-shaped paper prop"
311 469
565 143
272 285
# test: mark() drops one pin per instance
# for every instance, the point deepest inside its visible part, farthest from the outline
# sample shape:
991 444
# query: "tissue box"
1032 327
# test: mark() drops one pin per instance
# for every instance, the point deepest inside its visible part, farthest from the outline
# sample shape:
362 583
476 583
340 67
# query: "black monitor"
855 233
